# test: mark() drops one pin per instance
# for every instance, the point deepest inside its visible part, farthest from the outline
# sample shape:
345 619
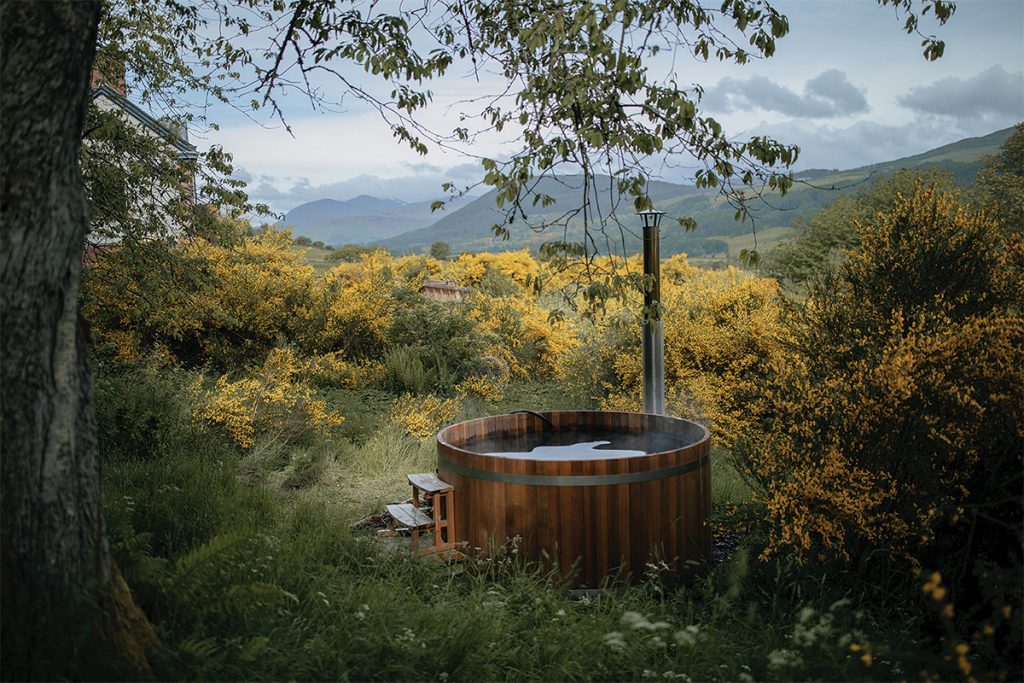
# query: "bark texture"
61 595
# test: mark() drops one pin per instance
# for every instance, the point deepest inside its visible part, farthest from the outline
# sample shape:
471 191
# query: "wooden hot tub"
609 512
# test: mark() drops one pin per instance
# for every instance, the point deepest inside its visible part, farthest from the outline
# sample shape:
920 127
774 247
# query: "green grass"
767 240
317 258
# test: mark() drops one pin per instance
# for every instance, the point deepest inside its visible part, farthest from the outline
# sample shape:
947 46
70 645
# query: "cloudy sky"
847 85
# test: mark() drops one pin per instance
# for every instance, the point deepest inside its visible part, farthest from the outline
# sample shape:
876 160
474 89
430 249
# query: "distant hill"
469 228
359 220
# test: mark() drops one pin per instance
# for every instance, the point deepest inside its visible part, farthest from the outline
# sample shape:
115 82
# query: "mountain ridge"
358 220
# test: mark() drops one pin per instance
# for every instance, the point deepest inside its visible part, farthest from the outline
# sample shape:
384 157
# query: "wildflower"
614 641
640 622
688 636
784 659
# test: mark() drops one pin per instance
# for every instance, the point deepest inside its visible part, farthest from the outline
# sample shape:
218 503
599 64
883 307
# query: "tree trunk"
63 602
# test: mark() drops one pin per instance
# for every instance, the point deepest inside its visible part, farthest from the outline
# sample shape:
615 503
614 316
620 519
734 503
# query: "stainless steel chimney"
654 330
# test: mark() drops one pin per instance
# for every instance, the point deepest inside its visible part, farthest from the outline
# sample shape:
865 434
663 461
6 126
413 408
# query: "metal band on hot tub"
572 480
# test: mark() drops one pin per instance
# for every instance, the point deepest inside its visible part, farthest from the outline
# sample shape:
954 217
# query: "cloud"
827 95
243 175
994 92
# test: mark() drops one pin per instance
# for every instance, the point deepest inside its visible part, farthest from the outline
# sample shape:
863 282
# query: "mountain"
469 227
359 220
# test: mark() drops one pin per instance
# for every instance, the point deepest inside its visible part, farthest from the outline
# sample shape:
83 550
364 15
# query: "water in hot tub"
571 444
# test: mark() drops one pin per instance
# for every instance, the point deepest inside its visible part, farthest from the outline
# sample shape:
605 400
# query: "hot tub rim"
700 443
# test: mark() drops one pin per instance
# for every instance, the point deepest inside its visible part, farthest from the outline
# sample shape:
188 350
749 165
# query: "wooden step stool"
439 494
409 516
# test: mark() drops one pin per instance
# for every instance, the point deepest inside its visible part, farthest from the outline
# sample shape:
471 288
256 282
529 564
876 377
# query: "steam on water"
574 445
586 450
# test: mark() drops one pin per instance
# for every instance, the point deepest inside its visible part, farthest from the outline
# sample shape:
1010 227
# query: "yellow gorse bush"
357 306
423 416
274 402
523 334
229 304
900 412
469 269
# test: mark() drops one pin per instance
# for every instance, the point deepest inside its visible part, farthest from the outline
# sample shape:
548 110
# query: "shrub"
449 345
898 423
406 371
522 334
423 417
352 310
225 304
274 401
169 484
821 241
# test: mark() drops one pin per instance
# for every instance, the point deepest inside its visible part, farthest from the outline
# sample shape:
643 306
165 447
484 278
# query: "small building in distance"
437 290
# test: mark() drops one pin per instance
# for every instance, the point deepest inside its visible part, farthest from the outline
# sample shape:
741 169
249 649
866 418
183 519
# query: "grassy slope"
317 258
766 240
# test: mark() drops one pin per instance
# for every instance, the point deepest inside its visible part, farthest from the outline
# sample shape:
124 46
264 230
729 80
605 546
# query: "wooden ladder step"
429 483
409 516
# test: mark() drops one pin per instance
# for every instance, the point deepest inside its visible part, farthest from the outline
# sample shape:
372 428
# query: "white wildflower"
614 641
784 659
639 622
688 636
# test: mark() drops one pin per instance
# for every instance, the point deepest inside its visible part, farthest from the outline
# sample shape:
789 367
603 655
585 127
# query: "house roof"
445 285
184 149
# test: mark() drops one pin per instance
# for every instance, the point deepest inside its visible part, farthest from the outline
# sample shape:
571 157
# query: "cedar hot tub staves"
609 513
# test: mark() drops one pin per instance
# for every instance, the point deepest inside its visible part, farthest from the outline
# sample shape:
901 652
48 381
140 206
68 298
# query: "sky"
847 85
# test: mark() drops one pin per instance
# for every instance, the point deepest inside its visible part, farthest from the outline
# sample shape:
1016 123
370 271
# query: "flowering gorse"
275 401
899 411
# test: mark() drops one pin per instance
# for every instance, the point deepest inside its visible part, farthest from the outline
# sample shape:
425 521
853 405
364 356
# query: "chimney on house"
107 71
176 127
